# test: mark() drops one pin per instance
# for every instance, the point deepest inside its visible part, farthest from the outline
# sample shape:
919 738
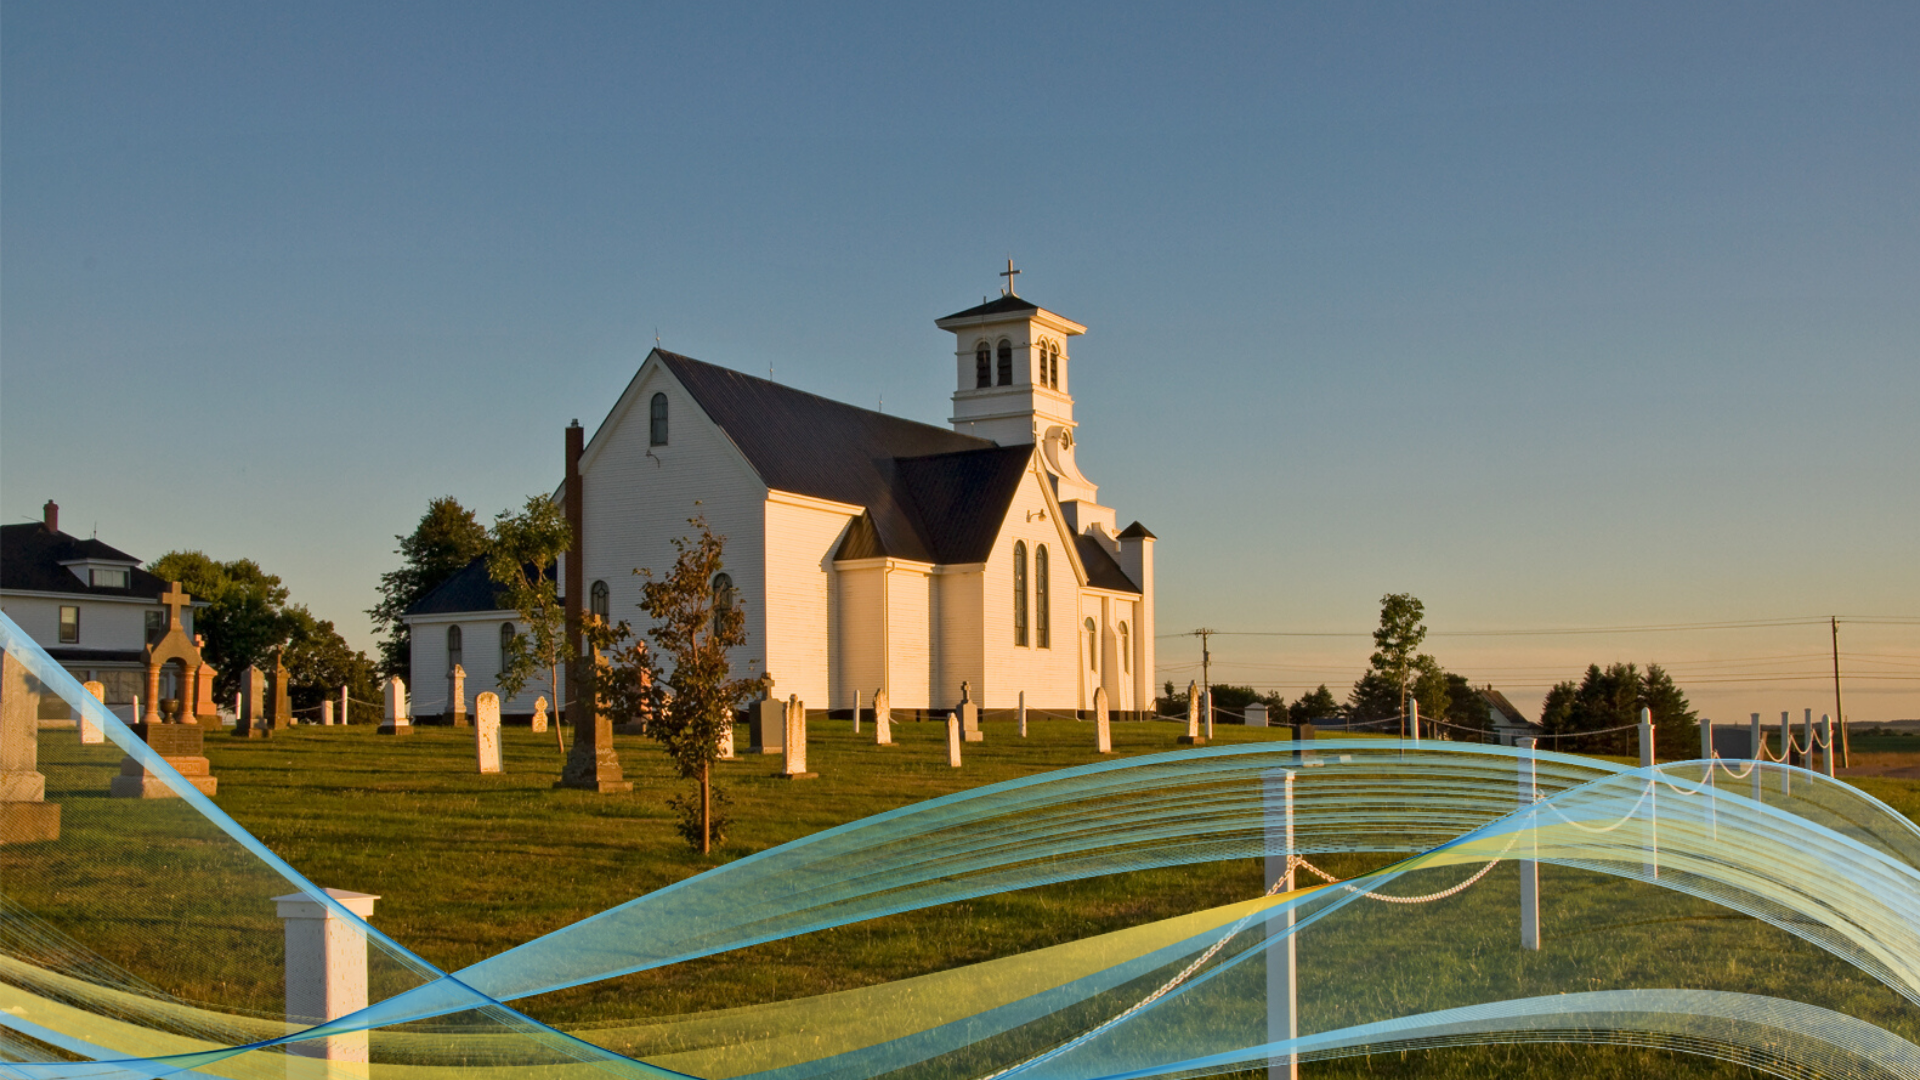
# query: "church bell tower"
1012 376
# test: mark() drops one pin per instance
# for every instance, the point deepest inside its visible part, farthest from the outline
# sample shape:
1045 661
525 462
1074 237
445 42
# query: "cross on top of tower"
1009 273
174 599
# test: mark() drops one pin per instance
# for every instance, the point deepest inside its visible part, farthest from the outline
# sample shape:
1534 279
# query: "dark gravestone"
252 722
1733 743
282 698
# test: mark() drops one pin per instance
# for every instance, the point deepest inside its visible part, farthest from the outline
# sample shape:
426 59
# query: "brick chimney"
51 516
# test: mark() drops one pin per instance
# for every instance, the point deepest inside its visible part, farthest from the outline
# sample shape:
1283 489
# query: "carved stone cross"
174 599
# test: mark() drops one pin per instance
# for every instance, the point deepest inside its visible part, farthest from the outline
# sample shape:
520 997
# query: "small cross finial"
1009 274
174 599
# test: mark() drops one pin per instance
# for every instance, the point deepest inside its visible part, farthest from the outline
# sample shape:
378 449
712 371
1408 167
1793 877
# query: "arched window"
454 651
657 434
982 367
1019 592
1126 652
723 596
1042 615
1006 363
1093 645
1053 367
598 602
506 643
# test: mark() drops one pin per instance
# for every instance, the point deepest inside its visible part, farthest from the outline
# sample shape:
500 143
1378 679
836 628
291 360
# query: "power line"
1652 628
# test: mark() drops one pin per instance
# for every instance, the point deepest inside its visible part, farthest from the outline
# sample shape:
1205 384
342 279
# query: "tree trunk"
706 807
559 711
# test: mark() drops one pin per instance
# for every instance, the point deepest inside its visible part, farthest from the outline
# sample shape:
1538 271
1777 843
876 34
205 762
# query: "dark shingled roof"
1005 305
30 558
1102 571
1136 530
1499 703
931 495
469 590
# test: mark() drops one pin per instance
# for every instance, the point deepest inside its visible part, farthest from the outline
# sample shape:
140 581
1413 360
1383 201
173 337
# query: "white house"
88 604
867 551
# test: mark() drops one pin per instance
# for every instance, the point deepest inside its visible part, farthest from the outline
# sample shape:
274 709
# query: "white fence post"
326 979
1283 1002
1826 732
1413 714
1653 819
1530 868
856 712
343 705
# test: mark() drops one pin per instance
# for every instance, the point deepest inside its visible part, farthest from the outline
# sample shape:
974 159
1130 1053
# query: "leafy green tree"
319 662
247 618
1396 653
1432 690
1465 707
1612 697
521 548
447 538
1375 696
1316 707
695 632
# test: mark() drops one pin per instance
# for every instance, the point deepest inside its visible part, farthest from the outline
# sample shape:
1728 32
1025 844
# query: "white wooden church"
866 551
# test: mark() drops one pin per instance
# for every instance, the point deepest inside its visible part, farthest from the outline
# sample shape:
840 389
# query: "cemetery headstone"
326 713
486 731
396 721
1193 736
882 719
794 741
282 699
1023 714
540 715
1102 731
90 733
954 738
205 711
726 740
856 712
1256 715
457 696
766 721
969 713
252 722
182 746
326 978
1206 713
25 814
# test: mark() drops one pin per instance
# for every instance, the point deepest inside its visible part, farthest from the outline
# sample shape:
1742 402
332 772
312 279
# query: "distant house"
464 622
87 603
1509 723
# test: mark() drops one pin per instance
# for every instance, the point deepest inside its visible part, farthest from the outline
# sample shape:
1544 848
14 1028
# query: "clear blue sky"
1554 315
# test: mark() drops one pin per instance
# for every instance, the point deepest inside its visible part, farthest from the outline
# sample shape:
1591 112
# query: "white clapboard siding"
961 653
857 667
1049 676
639 497
799 607
479 655
116 623
910 632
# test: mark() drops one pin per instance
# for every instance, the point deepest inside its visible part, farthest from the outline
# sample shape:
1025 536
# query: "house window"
1126 652
598 600
1093 646
107 579
1019 592
69 625
657 434
506 643
982 367
1006 363
1042 617
454 651
156 626
723 597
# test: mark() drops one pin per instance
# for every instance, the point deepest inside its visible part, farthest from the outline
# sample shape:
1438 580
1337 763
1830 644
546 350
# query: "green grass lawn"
469 865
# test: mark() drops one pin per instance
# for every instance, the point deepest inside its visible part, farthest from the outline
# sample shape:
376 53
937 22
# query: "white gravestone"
396 722
540 715
90 733
795 766
326 979
457 696
882 719
954 739
326 713
726 740
1256 715
486 731
856 712
1206 714
1193 736
343 706
1102 732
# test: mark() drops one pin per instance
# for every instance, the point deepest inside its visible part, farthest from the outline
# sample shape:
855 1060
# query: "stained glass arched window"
598 600
1019 592
1093 645
455 652
1042 613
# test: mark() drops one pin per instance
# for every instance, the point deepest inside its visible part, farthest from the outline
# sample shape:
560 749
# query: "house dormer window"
1006 363
110 578
982 367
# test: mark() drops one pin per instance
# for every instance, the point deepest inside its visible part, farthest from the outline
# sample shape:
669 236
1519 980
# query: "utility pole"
1846 753
1206 658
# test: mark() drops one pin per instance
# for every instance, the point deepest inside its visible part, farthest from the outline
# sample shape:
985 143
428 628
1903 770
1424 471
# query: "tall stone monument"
592 764
1193 736
25 814
486 731
457 696
280 691
181 745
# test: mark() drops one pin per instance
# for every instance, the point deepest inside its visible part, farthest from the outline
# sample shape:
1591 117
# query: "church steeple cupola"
1012 368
